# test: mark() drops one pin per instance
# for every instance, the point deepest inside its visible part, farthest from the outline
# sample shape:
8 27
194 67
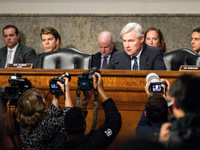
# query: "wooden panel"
126 87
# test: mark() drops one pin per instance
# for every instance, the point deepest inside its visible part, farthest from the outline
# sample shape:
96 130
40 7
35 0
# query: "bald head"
106 43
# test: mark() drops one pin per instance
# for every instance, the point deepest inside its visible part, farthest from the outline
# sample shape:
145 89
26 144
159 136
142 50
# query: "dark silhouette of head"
74 121
156 108
185 90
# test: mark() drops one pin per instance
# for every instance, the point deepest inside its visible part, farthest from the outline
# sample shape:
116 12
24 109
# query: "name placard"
189 68
20 66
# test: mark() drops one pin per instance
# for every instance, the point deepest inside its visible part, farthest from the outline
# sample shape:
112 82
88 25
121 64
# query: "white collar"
14 48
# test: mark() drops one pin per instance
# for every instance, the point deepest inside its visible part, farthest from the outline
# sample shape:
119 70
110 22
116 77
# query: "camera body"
85 80
18 85
54 87
155 85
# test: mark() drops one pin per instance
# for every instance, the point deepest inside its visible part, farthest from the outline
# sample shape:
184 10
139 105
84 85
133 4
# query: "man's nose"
47 42
127 44
8 37
103 50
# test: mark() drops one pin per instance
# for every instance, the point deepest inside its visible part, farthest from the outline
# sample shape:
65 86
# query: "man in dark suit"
136 54
195 40
51 42
51 39
106 50
14 52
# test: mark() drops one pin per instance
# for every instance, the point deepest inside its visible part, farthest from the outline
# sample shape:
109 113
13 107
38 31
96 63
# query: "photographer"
39 127
155 113
75 124
184 132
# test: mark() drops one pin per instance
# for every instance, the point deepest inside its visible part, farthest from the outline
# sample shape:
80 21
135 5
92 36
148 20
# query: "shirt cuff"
66 109
170 103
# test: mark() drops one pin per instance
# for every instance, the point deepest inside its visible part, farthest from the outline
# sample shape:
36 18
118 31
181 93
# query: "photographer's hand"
147 89
66 90
166 91
99 85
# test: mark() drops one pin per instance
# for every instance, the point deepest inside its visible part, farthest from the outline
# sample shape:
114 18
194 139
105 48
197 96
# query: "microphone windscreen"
153 77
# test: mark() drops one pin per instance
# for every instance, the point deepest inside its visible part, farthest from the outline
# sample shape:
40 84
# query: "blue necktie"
104 62
8 58
135 65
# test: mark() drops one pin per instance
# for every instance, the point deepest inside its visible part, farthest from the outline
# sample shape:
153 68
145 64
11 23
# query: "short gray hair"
133 26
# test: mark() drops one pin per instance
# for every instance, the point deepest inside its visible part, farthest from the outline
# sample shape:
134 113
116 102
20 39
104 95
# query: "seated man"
195 42
51 41
106 50
14 51
154 115
184 132
75 125
136 54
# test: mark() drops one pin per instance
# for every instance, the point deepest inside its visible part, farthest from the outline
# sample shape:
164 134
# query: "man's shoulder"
97 54
25 48
3 48
120 53
114 50
152 49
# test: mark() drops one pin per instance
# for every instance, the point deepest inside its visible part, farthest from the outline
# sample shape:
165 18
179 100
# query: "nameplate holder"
189 68
20 66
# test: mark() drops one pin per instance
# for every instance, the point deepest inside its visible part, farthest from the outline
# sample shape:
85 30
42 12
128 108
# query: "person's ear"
57 41
60 43
18 36
175 105
142 39
145 114
84 126
113 43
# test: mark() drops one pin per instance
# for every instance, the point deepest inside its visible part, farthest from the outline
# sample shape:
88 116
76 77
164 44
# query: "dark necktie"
135 65
104 62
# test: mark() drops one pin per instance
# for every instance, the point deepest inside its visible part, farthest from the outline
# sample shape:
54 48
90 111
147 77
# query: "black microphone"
116 62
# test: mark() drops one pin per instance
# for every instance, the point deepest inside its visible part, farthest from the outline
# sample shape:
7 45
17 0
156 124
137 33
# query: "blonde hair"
30 109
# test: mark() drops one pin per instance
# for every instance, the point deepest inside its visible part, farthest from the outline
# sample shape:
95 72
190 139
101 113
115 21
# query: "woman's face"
152 39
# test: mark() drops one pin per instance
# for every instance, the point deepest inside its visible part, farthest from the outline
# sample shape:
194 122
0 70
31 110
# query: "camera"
18 85
155 85
85 80
54 87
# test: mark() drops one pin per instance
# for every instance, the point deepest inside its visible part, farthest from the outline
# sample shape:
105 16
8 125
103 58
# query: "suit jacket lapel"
98 60
17 53
126 61
3 57
143 58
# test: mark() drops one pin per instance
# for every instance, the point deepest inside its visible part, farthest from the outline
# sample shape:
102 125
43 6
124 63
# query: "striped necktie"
135 65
